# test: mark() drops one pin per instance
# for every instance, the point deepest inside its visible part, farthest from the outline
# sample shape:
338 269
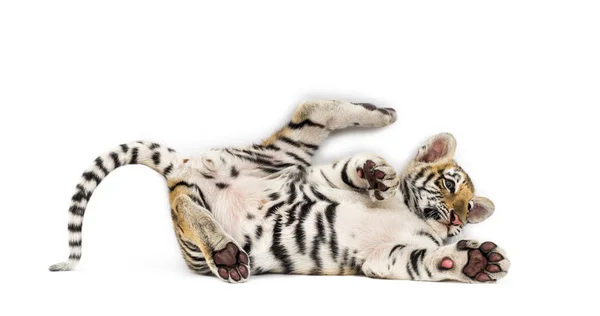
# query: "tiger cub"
266 208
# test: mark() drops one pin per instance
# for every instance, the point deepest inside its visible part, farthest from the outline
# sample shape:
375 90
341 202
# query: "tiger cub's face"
438 189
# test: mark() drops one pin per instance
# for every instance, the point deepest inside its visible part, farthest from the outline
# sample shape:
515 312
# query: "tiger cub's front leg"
204 243
364 173
466 261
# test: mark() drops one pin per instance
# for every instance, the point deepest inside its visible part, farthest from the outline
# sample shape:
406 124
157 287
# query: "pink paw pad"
447 263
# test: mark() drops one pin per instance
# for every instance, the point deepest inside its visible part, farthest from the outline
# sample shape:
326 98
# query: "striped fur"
267 208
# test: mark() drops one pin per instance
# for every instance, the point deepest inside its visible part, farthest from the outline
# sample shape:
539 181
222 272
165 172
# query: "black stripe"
196 200
274 196
289 141
311 146
258 154
194 186
171 150
100 165
299 232
201 267
345 178
344 260
297 158
292 193
198 260
304 123
234 172
188 251
269 170
258 232
291 213
248 244
426 234
81 194
396 247
278 249
271 211
318 239
116 161
419 175
74 256
76 210
330 213
156 157
134 156
203 199
124 148
182 183
191 246
422 255
414 259
75 243
320 228
153 146
90 175
261 161
168 170
221 185
429 177
383 111
409 272
405 189
319 195
74 228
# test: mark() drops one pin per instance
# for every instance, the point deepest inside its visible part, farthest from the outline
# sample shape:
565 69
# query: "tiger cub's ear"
481 210
439 147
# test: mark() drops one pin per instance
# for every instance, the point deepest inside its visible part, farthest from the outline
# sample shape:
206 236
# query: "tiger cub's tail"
160 158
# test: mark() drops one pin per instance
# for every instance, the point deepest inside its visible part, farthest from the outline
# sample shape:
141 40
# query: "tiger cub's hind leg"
313 121
197 230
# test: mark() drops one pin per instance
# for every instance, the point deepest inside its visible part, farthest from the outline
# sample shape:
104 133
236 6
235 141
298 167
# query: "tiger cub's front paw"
377 177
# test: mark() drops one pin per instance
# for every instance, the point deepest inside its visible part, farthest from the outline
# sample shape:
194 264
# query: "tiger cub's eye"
449 185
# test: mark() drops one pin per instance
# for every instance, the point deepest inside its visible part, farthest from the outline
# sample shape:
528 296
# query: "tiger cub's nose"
454 218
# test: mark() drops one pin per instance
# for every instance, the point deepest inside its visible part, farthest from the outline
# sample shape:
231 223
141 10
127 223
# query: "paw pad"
447 263
481 260
373 176
231 263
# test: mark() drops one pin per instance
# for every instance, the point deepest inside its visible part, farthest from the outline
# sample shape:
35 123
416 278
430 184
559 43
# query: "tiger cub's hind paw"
375 116
478 263
232 264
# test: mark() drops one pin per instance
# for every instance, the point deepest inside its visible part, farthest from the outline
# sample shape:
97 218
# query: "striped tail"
160 158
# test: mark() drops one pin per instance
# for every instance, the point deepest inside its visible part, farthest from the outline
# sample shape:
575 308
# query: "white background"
516 82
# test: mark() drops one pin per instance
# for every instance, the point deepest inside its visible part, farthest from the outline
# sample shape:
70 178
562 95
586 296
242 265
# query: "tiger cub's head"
440 191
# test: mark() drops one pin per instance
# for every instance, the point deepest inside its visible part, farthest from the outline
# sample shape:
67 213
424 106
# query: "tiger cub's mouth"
453 220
